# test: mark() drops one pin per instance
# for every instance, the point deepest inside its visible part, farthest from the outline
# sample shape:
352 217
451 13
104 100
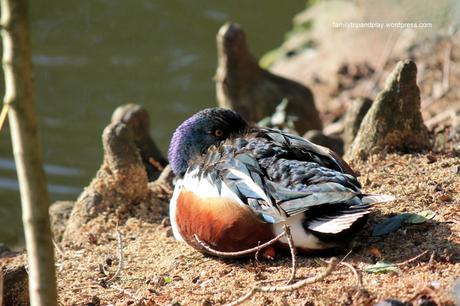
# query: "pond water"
91 56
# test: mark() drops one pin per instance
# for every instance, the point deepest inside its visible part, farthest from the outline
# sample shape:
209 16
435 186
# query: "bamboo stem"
17 67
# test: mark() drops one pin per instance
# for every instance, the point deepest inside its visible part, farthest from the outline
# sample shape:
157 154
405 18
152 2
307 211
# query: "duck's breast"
220 222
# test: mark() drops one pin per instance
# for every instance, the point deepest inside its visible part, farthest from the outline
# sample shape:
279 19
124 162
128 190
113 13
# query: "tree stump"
59 215
245 87
137 119
121 187
394 121
14 281
353 118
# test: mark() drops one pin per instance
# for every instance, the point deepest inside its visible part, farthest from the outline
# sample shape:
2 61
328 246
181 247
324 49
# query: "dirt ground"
157 270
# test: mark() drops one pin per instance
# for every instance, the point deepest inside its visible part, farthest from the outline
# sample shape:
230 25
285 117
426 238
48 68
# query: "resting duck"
239 185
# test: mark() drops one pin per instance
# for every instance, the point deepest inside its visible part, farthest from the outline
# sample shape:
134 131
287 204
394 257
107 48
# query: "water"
91 56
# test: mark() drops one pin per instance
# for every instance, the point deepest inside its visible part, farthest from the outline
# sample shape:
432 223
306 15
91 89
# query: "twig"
91 286
120 258
411 259
355 272
346 255
58 248
358 276
287 230
431 261
291 287
211 251
256 255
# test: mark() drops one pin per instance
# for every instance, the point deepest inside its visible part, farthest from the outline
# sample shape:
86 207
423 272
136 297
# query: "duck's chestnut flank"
239 185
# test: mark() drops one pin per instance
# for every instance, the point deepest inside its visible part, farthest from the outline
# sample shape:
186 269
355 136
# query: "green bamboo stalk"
17 67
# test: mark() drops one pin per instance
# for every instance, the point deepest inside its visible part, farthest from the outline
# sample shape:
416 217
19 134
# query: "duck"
238 185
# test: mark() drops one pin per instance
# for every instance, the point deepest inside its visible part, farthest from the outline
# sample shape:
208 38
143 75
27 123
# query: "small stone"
456 169
109 261
436 285
196 280
95 301
169 232
206 302
165 222
445 197
431 158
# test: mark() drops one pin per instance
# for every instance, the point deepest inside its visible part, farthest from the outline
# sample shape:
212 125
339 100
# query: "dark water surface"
92 56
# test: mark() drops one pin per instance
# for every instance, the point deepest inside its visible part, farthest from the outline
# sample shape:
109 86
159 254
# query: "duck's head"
196 134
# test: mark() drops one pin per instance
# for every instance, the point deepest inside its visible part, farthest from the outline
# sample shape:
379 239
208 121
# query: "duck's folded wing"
306 150
242 178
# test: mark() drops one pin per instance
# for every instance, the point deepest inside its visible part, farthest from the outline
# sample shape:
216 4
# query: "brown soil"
159 270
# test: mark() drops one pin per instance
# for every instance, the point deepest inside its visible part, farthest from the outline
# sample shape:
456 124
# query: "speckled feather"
292 172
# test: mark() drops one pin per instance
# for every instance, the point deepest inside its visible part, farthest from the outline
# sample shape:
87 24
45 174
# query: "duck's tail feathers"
370 199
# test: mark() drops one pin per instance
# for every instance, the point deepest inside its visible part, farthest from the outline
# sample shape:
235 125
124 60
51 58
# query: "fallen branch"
411 259
120 258
355 272
291 287
58 248
287 230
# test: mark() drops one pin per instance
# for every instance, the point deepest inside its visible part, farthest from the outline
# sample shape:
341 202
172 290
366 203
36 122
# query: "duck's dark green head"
196 134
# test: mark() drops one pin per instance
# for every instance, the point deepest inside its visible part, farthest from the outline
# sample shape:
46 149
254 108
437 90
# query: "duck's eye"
218 133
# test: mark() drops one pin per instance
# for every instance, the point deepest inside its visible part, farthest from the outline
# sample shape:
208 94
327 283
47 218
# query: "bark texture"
17 67
138 120
121 186
242 85
14 285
